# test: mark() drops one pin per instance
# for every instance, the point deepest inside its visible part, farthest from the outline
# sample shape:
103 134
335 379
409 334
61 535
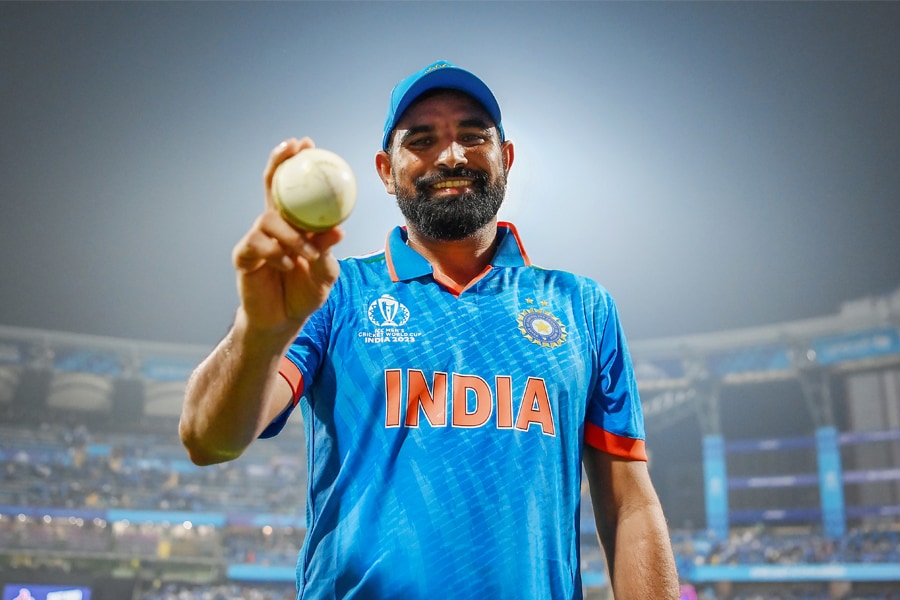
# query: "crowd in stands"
263 546
229 591
61 467
878 542
790 594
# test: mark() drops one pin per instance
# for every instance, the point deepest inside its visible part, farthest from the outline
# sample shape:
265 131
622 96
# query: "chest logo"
388 312
541 327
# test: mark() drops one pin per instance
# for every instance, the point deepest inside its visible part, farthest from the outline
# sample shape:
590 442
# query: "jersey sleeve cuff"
294 378
616 445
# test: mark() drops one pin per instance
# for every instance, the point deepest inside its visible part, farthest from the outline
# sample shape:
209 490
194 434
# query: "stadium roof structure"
864 334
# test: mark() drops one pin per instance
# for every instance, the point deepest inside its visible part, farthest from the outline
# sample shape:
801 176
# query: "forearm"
631 528
233 394
639 553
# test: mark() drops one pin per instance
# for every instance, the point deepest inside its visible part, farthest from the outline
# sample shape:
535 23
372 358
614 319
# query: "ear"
508 153
385 171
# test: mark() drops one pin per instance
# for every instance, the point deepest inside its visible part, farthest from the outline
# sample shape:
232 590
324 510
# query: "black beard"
456 217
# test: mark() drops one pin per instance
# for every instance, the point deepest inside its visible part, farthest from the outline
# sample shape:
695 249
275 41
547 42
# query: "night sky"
714 165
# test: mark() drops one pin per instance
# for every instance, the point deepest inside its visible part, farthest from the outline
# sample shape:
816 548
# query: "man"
450 390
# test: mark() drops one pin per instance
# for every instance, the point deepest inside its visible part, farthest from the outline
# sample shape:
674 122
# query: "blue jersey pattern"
445 427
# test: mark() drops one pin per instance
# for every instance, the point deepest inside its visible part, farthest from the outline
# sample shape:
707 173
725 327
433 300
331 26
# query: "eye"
419 142
472 139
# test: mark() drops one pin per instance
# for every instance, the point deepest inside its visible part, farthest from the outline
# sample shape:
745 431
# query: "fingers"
256 250
279 154
274 242
324 240
326 264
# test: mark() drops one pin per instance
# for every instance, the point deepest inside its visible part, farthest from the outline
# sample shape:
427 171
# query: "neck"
460 261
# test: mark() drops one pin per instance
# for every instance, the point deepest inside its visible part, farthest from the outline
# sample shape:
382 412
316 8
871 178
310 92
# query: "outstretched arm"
631 528
283 276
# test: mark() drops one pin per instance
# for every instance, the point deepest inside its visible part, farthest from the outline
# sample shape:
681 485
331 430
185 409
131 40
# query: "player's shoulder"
358 275
364 262
367 258
363 271
574 282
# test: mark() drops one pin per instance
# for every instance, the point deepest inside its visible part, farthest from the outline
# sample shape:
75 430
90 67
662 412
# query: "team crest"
541 327
388 312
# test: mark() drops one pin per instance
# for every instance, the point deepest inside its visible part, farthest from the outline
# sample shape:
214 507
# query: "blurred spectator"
73 467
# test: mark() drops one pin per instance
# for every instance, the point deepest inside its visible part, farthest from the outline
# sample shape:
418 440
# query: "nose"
453 155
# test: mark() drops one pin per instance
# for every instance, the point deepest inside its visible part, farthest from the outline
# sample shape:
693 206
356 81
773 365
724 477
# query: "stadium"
727 170
775 451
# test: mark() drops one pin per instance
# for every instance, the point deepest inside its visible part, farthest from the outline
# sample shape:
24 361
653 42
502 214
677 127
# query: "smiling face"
446 166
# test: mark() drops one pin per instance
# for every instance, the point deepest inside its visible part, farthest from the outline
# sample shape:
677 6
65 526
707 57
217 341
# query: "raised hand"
284 274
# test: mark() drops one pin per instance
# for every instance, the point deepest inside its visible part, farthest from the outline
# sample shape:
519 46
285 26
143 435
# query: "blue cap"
438 75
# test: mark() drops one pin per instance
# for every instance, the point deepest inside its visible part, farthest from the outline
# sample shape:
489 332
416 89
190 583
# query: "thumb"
279 154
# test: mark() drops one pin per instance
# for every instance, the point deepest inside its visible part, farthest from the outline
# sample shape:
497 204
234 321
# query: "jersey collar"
404 263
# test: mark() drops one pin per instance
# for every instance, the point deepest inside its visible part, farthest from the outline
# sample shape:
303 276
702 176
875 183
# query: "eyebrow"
415 130
472 123
475 123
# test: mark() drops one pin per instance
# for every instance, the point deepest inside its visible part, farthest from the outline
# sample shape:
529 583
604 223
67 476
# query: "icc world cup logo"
388 312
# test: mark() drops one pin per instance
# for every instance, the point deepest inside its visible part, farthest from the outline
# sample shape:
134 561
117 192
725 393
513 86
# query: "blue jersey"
444 426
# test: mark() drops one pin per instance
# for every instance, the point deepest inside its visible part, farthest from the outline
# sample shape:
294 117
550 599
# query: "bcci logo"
388 312
541 328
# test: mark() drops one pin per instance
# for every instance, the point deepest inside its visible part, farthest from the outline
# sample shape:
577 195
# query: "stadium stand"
776 451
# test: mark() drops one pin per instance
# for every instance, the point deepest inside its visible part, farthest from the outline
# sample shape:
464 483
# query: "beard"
454 217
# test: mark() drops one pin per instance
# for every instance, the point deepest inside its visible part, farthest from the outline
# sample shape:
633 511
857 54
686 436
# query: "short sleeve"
302 361
615 422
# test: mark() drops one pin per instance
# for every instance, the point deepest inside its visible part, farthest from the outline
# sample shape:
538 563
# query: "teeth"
451 183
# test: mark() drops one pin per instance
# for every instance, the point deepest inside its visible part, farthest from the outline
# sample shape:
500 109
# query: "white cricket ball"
314 190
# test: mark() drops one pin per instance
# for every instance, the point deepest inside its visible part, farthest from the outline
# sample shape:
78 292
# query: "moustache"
479 178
